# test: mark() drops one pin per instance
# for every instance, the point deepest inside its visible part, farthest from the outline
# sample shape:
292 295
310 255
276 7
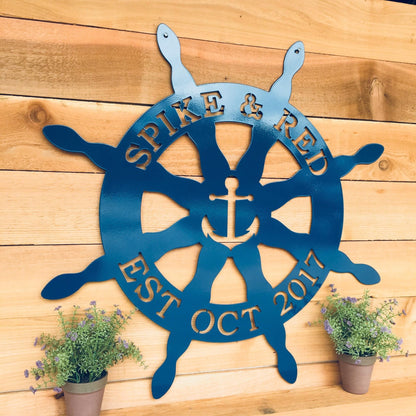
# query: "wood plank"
249 385
41 211
317 401
208 386
23 146
33 266
308 345
332 27
127 67
62 208
371 78
26 314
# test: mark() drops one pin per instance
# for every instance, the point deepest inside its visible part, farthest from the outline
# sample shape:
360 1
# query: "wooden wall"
95 66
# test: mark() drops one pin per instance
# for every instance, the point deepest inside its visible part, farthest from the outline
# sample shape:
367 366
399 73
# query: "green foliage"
87 345
358 328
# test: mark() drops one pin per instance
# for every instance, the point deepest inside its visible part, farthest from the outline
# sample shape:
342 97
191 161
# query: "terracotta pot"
356 374
84 399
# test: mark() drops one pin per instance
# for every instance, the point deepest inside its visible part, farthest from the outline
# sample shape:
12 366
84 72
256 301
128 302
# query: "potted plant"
76 360
360 332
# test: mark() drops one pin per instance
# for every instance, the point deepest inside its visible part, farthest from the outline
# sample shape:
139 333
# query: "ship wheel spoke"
184 191
214 165
276 194
248 261
275 234
183 233
251 166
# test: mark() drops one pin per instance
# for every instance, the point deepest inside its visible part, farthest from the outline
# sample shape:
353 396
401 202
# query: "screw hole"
165 35
297 51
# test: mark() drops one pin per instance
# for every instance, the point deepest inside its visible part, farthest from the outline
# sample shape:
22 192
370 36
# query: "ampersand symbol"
250 108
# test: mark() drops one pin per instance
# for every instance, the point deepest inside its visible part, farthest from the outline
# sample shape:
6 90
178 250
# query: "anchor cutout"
231 184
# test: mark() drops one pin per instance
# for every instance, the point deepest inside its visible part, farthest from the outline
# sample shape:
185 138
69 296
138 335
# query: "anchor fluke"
208 230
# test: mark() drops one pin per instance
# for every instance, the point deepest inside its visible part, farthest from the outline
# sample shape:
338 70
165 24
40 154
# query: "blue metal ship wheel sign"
227 206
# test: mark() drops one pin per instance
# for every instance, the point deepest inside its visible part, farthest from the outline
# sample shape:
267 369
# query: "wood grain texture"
62 61
309 345
33 214
32 267
333 400
23 146
373 29
95 66
262 382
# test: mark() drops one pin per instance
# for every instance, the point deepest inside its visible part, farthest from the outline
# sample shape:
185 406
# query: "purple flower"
106 319
37 377
39 364
349 323
57 359
32 389
125 344
119 313
43 347
82 323
26 373
57 308
93 303
89 316
400 341
385 329
36 342
348 344
404 312
57 390
328 327
323 310
74 336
